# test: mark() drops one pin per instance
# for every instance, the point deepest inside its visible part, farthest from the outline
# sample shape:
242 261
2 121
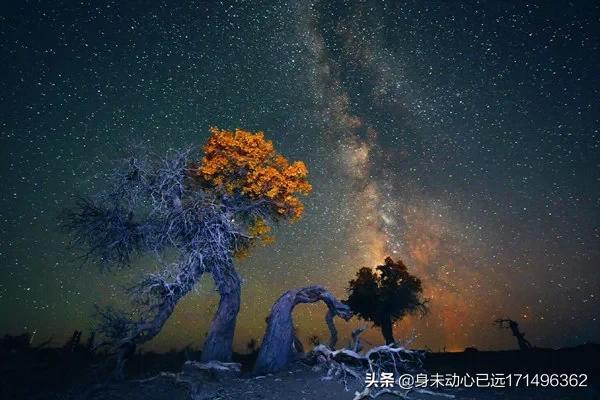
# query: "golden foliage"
260 229
261 232
246 163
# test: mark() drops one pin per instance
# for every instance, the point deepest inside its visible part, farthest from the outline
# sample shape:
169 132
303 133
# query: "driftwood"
277 346
350 367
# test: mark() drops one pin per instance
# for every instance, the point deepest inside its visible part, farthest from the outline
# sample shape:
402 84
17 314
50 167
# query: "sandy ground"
53 374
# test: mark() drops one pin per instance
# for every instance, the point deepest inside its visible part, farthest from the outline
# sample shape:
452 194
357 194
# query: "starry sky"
462 139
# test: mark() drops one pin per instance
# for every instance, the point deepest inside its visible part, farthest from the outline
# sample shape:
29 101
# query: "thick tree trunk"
218 345
386 330
276 349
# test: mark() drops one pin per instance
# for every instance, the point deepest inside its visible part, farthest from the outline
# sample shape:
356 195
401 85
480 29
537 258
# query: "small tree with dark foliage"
386 295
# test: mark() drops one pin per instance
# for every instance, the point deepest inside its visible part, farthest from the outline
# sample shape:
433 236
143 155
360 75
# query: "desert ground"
64 373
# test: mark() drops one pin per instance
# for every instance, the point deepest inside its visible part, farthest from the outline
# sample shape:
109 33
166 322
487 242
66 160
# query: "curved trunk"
218 345
386 330
298 346
276 349
333 334
146 330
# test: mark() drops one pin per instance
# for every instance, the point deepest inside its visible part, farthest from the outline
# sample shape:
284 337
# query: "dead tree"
350 368
277 346
73 342
514 327
356 344
89 345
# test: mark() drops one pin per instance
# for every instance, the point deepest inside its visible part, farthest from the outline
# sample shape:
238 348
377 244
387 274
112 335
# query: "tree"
514 328
193 218
277 347
386 295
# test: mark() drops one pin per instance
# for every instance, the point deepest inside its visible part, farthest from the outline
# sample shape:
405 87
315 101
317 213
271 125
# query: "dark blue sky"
461 138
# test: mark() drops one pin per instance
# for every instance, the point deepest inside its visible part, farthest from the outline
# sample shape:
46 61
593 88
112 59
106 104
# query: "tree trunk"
386 330
218 345
333 334
146 330
276 349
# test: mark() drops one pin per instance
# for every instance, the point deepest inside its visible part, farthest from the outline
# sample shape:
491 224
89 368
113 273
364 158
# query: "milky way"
461 139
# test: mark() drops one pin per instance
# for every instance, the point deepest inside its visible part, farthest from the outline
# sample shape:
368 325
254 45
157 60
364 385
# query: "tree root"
351 367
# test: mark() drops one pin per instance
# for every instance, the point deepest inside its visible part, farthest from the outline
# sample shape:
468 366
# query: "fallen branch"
351 367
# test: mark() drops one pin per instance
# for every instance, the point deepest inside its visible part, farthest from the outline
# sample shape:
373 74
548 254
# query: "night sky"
463 139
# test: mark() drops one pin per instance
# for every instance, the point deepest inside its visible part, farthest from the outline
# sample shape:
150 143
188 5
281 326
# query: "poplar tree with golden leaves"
195 214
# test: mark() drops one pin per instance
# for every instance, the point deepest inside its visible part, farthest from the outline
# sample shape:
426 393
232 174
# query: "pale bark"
218 345
333 335
350 367
277 346
170 292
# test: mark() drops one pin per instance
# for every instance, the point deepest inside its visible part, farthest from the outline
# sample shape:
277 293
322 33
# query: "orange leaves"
261 230
246 163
